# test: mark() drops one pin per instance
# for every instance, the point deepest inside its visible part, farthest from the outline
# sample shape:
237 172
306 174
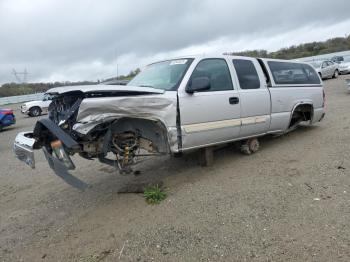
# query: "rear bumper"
5 124
7 120
23 148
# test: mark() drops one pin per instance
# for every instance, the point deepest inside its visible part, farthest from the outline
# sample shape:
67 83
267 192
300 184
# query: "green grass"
154 194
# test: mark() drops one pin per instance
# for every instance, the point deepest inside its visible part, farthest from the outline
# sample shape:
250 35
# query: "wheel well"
302 112
153 131
35 107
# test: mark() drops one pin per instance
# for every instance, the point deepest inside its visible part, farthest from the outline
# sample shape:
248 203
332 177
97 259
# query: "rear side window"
293 73
217 71
247 75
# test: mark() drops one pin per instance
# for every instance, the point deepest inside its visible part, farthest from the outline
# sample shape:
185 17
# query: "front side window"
216 70
165 75
316 64
293 73
247 75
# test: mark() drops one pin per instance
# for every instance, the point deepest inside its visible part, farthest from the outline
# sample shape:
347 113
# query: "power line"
21 77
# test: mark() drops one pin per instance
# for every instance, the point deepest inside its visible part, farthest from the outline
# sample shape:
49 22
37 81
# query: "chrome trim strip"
206 126
211 125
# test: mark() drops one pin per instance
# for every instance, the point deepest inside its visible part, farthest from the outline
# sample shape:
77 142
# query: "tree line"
337 44
15 89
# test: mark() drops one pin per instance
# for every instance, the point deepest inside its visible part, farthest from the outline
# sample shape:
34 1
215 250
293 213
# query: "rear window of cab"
293 73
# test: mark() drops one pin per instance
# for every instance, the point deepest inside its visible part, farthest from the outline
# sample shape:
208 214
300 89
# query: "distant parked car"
116 82
7 118
344 67
36 108
337 59
326 69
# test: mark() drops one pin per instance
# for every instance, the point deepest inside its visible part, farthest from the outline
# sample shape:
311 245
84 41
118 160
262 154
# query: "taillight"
9 112
324 98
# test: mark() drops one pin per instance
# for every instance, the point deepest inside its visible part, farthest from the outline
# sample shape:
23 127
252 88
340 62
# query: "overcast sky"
57 40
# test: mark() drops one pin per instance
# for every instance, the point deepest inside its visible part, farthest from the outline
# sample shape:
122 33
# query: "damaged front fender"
159 108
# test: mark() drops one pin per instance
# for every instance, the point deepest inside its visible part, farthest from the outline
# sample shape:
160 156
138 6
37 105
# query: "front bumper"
344 71
25 143
24 110
23 148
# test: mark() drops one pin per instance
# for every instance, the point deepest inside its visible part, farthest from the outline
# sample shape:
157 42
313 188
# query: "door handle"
233 100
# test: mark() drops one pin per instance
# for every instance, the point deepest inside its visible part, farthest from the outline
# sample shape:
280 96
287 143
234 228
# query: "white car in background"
344 66
36 108
326 69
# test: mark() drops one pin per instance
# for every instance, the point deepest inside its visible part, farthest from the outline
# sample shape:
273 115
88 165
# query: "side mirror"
198 84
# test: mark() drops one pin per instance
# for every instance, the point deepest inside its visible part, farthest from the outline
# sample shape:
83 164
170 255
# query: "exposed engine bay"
116 136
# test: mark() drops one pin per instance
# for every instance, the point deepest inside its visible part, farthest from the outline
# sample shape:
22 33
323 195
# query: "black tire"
1 127
35 111
336 74
250 146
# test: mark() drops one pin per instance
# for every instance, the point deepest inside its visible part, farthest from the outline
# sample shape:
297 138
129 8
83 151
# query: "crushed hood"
104 88
158 107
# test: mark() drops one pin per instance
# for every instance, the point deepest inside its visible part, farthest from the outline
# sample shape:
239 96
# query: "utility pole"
18 75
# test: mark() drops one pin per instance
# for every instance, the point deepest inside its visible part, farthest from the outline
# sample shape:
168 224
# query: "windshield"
165 75
48 97
346 59
316 64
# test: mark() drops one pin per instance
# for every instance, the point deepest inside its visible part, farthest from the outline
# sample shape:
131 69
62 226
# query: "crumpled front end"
100 125
160 109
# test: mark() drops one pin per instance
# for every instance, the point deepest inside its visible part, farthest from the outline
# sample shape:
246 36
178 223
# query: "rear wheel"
35 111
1 127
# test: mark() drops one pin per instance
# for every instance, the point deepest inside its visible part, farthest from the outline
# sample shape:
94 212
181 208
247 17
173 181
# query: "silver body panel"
155 107
23 148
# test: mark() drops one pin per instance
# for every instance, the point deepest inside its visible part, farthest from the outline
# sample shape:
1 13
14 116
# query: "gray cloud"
75 40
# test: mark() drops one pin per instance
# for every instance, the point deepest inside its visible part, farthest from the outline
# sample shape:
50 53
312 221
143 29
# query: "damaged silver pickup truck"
174 106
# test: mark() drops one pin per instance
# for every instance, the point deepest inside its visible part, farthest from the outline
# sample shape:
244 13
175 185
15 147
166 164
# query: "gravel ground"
288 202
